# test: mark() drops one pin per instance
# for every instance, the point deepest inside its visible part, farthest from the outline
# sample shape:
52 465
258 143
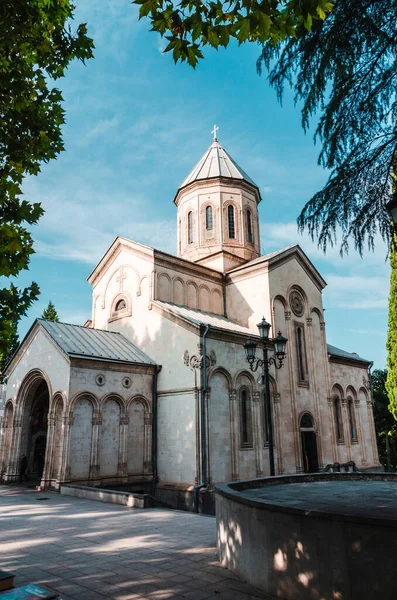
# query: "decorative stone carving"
309 322
148 419
256 396
276 397
344 401
100 379
124 420
287 315
297 303
97 419
367 383
186 358
127 381
212 360
196 362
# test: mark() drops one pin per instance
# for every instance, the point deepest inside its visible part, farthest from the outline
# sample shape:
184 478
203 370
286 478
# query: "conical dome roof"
216 162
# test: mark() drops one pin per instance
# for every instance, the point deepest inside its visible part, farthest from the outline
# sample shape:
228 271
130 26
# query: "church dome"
214 163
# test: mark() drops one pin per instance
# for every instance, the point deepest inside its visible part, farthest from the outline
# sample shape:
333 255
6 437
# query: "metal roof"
334 351
200 317
97 344
216 162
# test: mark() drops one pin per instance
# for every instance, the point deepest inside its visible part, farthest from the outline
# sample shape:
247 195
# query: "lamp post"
278 344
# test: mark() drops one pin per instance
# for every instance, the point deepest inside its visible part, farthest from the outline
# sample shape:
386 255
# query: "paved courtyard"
85 549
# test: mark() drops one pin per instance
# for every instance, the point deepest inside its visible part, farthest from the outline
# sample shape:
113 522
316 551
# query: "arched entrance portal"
34 429
309 444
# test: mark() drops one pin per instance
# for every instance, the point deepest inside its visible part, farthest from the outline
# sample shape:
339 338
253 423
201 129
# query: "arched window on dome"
190 228
230 220
250 237
209 222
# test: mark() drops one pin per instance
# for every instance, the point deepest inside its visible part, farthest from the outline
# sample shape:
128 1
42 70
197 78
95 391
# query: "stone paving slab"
88 550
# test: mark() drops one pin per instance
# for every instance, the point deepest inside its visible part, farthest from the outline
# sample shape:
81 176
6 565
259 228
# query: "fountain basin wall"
317 537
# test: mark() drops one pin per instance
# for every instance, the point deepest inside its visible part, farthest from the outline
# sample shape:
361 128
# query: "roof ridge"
40 319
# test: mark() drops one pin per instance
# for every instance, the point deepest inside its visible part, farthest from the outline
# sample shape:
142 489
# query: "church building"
154 392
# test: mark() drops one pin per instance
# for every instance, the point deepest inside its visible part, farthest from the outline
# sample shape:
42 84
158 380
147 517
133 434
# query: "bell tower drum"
218 212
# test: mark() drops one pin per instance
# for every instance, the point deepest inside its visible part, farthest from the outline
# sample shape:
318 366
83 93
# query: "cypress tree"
50 313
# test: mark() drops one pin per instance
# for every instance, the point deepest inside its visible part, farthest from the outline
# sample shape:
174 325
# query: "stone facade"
191 315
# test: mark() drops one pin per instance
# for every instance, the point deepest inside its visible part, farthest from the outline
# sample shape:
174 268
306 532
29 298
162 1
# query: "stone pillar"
371 426
13 463
46 476
197 404
122 466
65 471
277 432
147 456
207 399
360 432
234 434
331 415
94 466
258 437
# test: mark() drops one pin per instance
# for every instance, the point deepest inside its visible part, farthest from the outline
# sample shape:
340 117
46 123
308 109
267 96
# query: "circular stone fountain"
300 537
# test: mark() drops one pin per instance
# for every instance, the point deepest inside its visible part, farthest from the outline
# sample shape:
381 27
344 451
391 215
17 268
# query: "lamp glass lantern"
250 349
280 343
264 328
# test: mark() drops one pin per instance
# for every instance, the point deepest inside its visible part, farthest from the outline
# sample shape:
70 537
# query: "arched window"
352 420
250 238
208 218
301 353
190 228
306 421
265 421
230 220
121 305
338 420
245 419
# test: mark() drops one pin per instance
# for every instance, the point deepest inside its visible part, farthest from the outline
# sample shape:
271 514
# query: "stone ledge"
130 499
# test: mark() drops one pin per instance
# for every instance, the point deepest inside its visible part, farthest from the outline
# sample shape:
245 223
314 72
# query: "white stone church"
154 392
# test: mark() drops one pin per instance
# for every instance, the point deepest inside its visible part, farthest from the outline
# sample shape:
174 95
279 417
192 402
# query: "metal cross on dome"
214 133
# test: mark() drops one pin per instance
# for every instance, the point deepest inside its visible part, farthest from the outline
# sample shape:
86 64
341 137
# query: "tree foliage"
37 44
189 25
344 71
391 383
50 313
385 423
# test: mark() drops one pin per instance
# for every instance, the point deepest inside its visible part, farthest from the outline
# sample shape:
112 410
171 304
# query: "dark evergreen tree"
385 423
50 313
344 71
391 382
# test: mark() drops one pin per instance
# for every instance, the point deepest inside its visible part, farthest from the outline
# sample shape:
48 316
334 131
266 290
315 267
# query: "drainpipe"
154 427
202 484
371 364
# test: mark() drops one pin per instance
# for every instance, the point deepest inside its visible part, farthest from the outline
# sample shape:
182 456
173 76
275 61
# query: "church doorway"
309 444
34 430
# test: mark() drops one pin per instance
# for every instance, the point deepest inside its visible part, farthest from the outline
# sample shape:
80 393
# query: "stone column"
13 463
234 434
122 467
371 426
46 476
331 416
65 471
359 426
277 432
207 399
258 437
147 456
94 466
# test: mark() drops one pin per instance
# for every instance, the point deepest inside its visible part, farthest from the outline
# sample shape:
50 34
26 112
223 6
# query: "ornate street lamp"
278 344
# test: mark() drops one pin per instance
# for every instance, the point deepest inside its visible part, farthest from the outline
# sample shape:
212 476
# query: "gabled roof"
76 341
334 351
216 162
97 344
201 317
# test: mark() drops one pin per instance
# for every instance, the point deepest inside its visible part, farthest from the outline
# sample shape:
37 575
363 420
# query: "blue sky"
136 125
